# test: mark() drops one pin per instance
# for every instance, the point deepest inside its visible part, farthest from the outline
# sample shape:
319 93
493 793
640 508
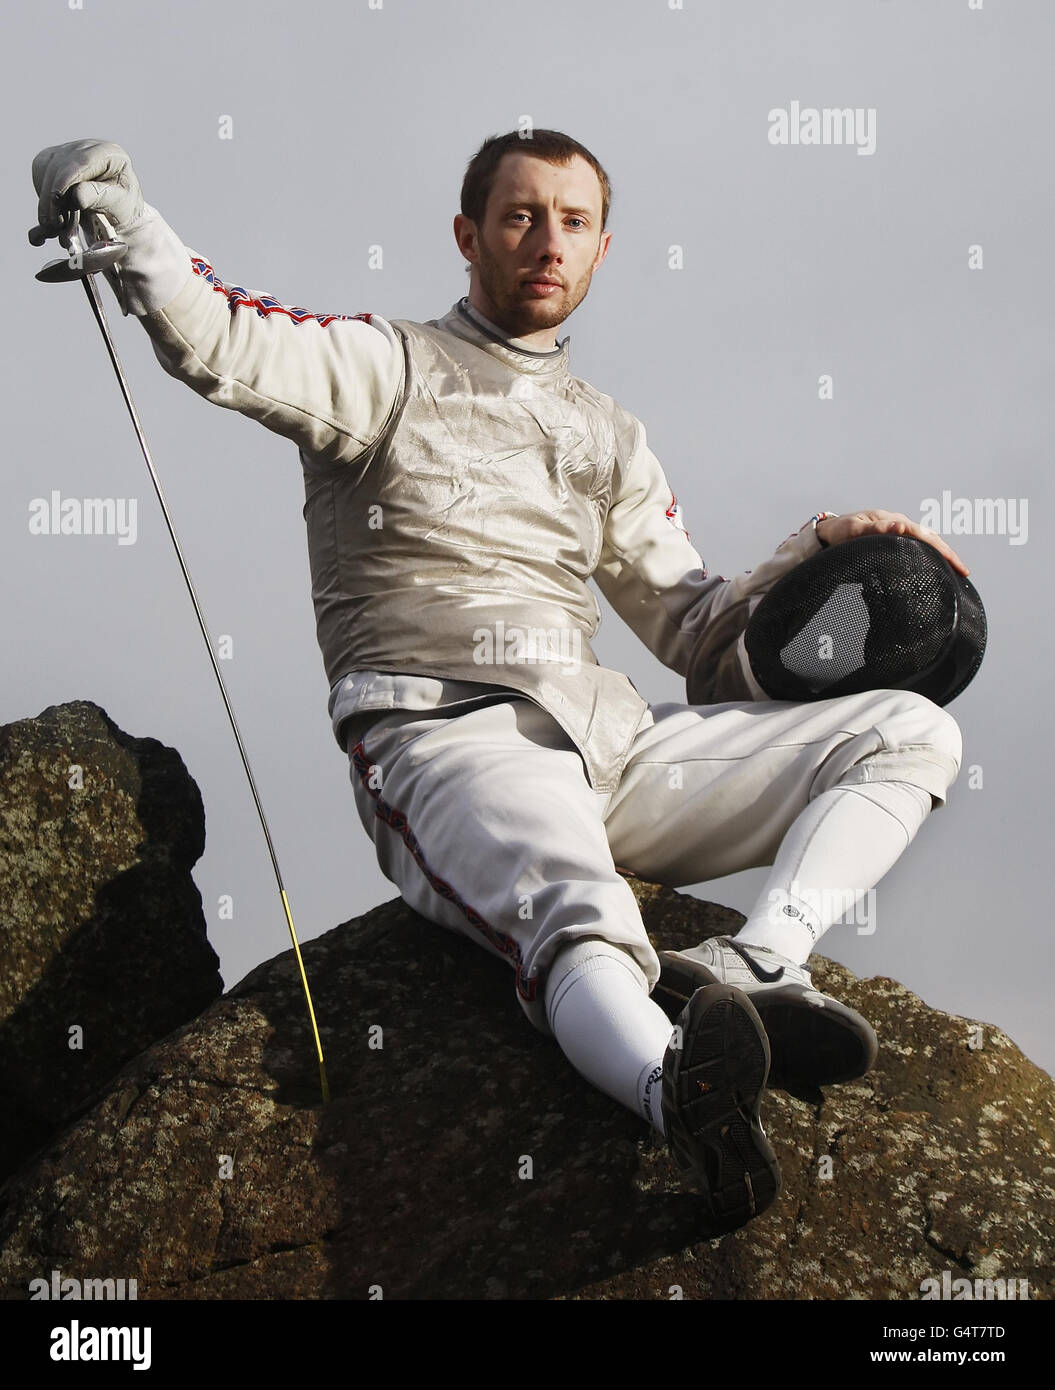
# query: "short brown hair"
550 145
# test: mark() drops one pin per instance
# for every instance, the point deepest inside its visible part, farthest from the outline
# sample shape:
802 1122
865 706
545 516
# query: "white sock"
606 1025
833 854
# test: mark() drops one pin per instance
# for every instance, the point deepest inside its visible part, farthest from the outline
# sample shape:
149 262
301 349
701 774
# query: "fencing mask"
875 613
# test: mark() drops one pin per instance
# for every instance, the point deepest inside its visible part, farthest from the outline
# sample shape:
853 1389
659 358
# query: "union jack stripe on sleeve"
264 304
673 515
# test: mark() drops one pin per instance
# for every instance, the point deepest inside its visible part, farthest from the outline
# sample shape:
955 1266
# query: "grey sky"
352 127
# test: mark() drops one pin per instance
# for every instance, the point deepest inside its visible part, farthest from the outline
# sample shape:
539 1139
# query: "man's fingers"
896 523
936 541
53 172
87 167
905 526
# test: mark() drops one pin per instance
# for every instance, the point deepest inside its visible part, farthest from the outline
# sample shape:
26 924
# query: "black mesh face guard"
874 613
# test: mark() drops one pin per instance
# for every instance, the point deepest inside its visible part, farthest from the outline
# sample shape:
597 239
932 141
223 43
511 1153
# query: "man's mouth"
543 286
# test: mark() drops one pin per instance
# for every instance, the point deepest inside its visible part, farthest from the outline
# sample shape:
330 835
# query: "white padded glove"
92 175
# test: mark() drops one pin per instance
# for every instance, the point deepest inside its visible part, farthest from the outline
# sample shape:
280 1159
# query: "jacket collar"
469 324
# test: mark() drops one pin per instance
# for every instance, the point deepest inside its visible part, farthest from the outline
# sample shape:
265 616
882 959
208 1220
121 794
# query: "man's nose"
549 238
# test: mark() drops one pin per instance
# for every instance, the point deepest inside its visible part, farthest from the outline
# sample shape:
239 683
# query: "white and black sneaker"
814 1040
714 1073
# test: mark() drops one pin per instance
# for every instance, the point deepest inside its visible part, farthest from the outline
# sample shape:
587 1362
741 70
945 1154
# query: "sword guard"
83 260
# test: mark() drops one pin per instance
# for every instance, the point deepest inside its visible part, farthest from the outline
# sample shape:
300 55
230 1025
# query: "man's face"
542 220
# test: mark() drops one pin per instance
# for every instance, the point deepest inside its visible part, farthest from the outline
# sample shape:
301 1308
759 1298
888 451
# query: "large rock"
102 940
462 1157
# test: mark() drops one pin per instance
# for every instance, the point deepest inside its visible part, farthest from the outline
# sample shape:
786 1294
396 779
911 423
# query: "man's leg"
710 790
487 824
829 793
840 846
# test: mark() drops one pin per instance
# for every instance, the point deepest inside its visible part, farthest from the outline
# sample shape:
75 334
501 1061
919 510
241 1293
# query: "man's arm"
656 581
327 382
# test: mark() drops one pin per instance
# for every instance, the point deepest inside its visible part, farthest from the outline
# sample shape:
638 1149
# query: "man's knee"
919 743
917 722
898 736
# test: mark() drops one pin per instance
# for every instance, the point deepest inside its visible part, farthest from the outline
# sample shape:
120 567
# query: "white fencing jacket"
460 491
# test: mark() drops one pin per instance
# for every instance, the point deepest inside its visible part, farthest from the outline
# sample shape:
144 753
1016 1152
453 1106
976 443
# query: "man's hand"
92 175
845 527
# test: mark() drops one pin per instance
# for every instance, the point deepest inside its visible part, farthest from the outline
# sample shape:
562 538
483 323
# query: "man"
461 488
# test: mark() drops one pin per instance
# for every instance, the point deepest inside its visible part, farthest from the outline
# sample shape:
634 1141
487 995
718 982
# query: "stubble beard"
513 311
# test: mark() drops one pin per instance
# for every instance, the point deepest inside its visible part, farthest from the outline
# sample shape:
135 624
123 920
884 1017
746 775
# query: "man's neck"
529 344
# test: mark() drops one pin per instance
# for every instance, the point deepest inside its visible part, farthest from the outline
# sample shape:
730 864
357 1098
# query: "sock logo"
655 1075
790 911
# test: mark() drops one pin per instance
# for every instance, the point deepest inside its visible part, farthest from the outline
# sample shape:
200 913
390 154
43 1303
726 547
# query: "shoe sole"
811 1043
712 1085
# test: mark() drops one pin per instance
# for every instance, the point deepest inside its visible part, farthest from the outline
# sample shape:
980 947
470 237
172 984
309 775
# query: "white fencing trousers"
482 815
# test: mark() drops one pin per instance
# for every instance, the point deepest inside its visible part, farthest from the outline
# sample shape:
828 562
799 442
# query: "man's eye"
580 220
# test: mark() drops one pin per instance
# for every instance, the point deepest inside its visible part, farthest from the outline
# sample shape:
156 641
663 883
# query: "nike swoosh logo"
763 976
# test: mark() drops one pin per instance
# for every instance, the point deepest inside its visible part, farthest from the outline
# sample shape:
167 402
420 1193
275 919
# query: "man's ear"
465 234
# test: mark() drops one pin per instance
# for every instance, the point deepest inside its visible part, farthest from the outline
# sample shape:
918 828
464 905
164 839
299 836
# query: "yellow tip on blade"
307 996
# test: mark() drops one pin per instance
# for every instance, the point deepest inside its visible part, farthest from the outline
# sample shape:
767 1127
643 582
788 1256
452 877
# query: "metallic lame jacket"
461 490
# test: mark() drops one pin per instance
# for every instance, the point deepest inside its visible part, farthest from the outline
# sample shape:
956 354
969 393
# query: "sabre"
83 263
